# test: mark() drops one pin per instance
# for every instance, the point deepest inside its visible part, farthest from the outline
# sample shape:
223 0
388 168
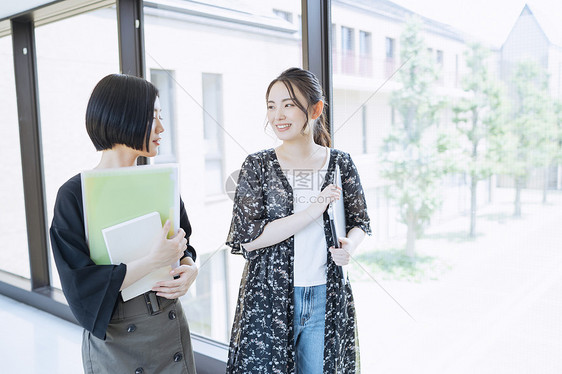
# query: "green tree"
529 142
411 152
478 117
556 139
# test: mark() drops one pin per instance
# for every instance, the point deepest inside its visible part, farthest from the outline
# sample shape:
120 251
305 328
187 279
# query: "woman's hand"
341 256
168 251
178 287
328 195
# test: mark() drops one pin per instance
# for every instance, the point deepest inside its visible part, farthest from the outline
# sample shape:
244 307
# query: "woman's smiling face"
284 116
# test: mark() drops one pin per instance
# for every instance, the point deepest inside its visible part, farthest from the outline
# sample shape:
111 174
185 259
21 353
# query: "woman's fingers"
165 229
340 256
330 194
178 287
343 240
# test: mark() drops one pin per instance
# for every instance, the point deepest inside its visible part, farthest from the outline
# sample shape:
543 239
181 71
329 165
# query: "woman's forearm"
283 228
356 235
136 270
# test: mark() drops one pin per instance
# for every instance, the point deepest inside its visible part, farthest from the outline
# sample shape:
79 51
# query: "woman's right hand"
168 251
328 195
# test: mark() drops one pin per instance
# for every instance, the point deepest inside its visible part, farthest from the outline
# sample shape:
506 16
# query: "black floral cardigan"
262 333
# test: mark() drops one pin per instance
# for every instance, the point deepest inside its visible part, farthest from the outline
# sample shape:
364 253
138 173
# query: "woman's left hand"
176 288
341 256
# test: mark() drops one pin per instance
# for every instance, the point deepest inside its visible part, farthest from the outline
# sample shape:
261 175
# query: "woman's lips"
283 127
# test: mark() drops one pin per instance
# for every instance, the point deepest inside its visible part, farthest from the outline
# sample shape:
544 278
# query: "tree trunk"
545 185
490 188
518 185
473 207
411 236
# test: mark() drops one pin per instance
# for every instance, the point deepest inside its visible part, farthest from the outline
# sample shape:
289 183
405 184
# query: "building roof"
551 29
226 13
388 9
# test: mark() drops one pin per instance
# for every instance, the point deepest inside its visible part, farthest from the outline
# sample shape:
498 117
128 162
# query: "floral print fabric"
262 332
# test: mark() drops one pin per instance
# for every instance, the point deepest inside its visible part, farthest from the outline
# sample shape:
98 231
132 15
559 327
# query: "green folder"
113 196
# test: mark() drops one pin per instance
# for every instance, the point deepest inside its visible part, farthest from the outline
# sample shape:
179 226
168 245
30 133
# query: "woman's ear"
317 109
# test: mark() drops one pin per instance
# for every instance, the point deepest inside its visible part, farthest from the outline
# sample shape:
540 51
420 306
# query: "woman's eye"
289 105
270 107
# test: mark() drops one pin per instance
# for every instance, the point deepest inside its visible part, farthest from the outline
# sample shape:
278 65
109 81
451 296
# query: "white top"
310 242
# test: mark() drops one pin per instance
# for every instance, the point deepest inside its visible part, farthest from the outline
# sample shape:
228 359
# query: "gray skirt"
140 342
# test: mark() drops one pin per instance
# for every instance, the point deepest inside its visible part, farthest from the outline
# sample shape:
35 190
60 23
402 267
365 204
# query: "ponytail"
320 131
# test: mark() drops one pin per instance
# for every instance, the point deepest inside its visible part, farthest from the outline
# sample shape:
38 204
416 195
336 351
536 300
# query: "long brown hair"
309 86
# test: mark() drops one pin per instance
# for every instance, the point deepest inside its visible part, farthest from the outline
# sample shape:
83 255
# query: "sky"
489 20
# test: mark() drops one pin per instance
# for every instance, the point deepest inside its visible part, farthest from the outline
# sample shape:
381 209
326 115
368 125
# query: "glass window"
365 58
221 55
335 49
439 57
347 39
459 158
212 133
348 50
164 81
14 255
389 43
364 43
456 73
439 65
72 56
390 61
334 36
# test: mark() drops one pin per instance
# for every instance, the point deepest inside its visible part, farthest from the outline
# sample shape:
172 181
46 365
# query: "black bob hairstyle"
121 111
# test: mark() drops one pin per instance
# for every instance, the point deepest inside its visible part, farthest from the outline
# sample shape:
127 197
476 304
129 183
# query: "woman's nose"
279 113
159 126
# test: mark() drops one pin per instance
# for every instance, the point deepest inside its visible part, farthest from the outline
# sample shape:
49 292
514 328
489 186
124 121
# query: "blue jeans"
310 314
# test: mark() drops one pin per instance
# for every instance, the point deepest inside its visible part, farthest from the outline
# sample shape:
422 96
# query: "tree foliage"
530 139
412 156
479 117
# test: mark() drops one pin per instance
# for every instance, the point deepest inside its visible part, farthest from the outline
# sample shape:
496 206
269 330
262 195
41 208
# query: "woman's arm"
185 274
283 228
165 252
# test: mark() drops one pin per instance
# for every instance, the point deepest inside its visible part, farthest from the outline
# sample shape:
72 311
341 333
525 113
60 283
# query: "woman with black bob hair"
149 333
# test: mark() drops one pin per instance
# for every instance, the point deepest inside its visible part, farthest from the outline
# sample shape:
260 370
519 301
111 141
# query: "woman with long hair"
295 311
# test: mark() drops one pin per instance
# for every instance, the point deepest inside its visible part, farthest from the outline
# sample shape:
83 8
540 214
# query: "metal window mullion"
130 20
130 25
25 70
317 47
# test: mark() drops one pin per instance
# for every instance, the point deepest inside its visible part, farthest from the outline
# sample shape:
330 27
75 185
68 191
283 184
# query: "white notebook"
339 208
339 213
130 240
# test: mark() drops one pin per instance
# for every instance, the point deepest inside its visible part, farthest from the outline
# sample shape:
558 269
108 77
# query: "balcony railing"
365 66
389 67
347 63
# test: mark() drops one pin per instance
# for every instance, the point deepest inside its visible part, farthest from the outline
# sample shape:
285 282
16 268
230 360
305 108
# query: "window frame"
38 290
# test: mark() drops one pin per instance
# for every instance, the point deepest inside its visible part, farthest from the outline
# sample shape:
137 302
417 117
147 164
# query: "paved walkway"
497 310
